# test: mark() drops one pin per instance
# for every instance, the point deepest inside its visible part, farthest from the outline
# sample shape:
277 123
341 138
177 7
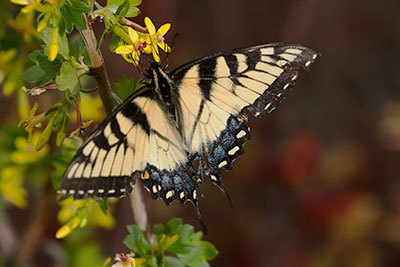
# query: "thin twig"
134 25
100 74
78 113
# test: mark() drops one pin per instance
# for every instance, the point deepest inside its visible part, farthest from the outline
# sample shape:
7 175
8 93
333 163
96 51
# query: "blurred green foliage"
175 244
45 66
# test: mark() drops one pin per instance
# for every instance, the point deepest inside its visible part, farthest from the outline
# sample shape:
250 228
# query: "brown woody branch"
134 25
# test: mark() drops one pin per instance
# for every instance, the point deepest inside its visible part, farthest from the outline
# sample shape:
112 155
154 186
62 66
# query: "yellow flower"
30 5
156 38
26 152
131 52
11 179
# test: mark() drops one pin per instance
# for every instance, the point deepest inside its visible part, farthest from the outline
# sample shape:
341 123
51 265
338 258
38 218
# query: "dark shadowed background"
319 183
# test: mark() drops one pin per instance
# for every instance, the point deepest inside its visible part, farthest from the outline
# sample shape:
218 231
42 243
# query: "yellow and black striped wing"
137 140
216 90
185 125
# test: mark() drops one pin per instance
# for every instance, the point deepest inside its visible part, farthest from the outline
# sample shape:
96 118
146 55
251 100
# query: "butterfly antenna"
173 39
167 54
166 60
148 58
141 68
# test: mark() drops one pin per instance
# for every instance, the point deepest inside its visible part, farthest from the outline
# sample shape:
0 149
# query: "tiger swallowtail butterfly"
185 125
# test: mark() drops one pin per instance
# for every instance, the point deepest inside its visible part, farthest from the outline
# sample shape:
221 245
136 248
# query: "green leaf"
152 262
113 5
63 46
61 26
133 12
79 20
103 205
67 18
51 68
80 6
123 9
140 83
77 47
173 262
123 88
136 2
209 250
44 71
168 241
73 17
33 74
194 258
68 79
173 225
158 229
34 56
136 241
115 39
200 253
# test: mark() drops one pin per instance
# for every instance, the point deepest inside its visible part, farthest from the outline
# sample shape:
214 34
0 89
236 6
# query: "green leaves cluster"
73 15
124 8
176 245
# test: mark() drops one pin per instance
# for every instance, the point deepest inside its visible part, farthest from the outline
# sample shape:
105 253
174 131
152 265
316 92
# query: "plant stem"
99 72
139 209
134 25
98 69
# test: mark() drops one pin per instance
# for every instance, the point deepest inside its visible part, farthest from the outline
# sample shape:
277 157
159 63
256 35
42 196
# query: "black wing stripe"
232 63
253 57
116 130
136 115
206 73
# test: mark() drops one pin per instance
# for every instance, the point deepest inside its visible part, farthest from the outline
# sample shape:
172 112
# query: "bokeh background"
319 183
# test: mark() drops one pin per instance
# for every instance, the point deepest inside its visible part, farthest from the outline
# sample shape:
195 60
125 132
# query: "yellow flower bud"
41 25
53 48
